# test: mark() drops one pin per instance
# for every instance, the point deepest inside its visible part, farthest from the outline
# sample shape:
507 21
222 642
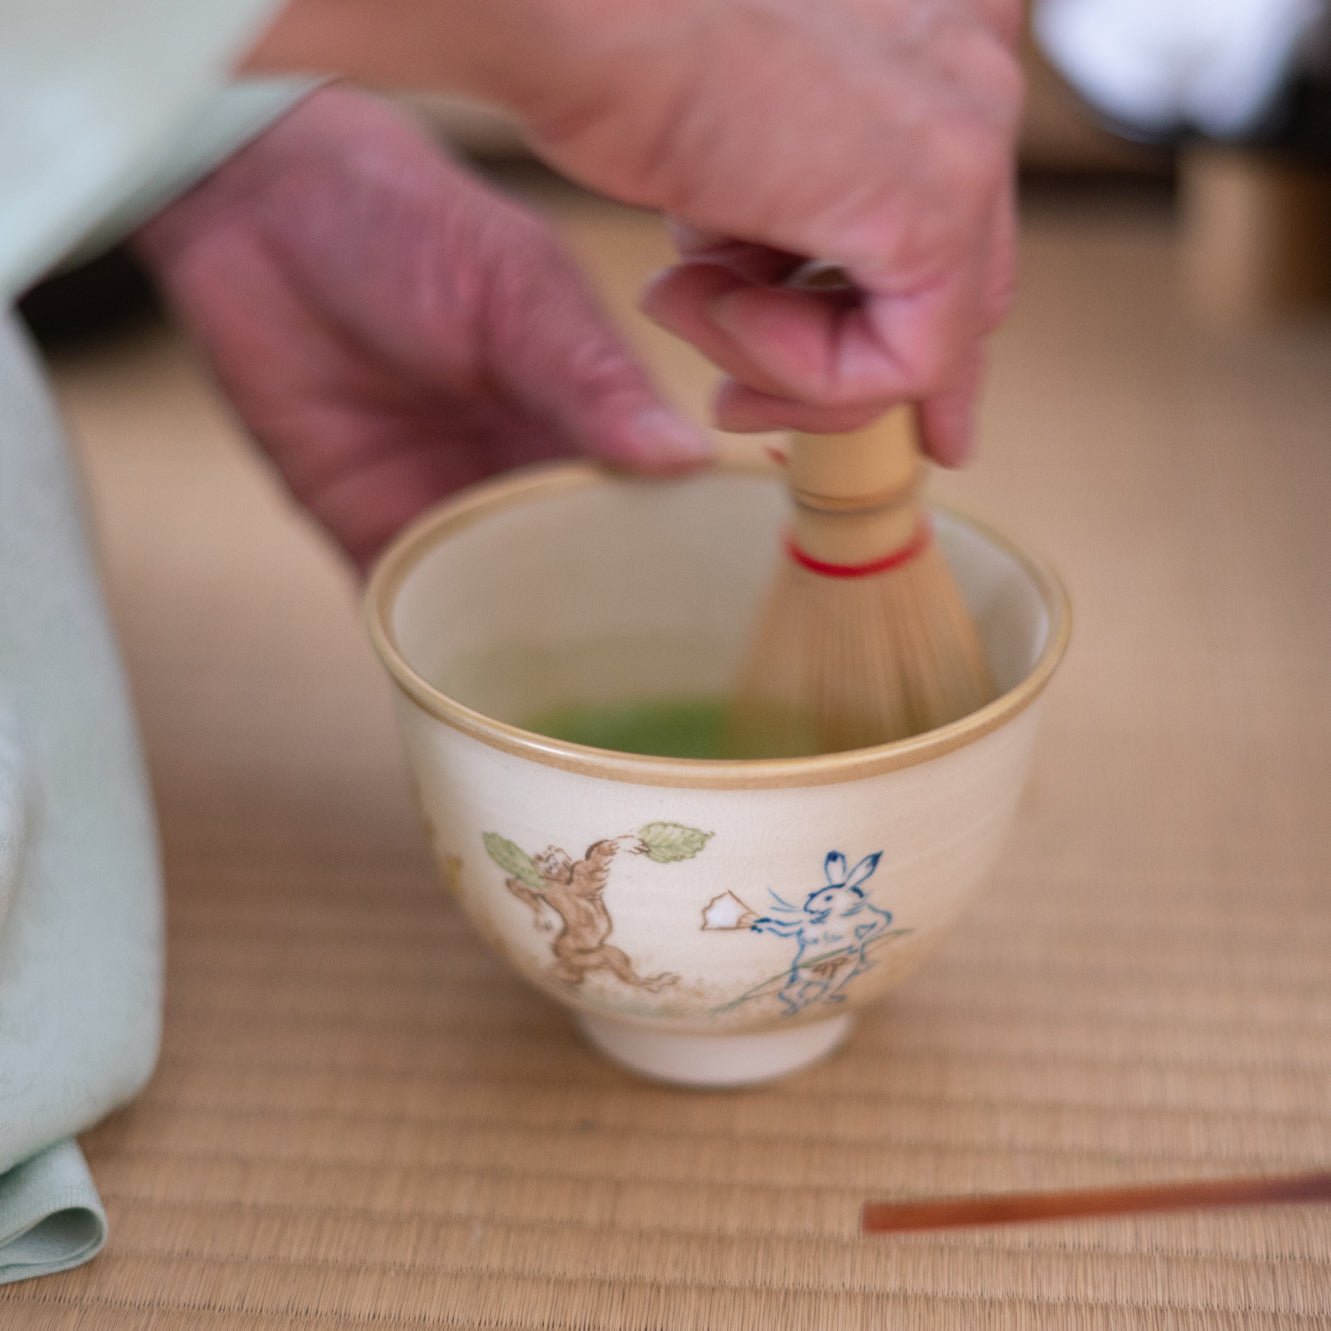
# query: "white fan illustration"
727 912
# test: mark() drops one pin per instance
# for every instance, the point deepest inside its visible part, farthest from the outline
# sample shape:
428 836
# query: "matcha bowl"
709 921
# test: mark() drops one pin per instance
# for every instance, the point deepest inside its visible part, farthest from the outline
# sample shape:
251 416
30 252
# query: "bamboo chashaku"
865 637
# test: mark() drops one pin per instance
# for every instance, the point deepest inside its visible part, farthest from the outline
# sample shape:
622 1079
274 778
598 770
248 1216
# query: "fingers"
561 357
816 362
945 413
745 410
680 300
757 263
947 420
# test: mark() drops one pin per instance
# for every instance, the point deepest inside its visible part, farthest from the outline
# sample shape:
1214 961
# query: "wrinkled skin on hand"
388 328
878 135
875 134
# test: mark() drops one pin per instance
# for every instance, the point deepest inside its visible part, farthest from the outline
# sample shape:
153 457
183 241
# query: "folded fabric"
81 957
1210 66
15 808
50 1215
80 904
101 118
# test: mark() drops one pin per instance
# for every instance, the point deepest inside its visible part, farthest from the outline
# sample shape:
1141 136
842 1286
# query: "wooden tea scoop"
1082 1204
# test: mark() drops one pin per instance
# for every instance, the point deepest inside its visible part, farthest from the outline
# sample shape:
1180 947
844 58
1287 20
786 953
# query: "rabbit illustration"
832 931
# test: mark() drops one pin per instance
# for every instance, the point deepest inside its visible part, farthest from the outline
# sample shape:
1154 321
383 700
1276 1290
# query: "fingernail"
663 438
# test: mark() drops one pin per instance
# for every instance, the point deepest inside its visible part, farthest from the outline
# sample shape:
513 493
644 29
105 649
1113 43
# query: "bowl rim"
479 501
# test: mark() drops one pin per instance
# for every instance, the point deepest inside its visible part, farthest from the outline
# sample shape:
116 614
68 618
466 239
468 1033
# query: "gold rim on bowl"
480 501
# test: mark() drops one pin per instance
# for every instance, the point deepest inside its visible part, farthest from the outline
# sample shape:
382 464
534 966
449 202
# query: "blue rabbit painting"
832 931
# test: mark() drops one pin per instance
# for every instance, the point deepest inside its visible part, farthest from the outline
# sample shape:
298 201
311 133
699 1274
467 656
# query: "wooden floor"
361 1119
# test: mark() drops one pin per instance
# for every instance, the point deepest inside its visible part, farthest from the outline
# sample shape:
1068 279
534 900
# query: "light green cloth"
94 98
104 110
81 937
209 133
50 1215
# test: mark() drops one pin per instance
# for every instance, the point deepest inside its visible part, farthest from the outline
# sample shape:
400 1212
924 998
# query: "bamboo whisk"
865 637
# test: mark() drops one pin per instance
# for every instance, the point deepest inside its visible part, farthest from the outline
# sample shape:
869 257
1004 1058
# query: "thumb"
558 353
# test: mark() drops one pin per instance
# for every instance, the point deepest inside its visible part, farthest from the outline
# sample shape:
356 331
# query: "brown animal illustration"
575 892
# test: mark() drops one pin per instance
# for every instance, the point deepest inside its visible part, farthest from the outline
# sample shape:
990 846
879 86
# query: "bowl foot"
715 1060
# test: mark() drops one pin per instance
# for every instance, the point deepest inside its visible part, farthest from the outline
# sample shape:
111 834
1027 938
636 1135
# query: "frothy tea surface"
660 727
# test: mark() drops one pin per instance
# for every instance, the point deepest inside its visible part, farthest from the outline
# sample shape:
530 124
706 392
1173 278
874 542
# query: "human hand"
877 135
388 328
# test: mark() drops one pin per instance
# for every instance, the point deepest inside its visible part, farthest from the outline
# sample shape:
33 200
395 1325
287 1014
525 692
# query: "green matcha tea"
676 728
662 727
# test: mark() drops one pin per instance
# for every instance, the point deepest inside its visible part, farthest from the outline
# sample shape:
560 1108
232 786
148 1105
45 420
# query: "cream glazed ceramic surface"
710 922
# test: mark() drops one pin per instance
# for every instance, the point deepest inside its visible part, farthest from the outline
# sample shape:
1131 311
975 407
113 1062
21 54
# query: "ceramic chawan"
709 921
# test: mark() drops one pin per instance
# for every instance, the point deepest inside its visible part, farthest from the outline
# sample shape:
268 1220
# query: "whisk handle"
876 465
857 494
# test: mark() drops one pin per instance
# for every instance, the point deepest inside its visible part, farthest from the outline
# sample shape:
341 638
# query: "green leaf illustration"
667 843
513 860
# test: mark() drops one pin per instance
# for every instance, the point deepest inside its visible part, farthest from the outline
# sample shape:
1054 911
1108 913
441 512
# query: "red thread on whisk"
907 552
